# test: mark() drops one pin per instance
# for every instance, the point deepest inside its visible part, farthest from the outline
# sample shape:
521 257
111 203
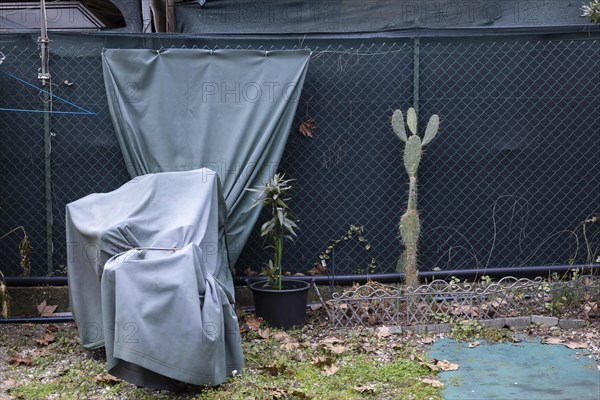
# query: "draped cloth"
227 110
149 279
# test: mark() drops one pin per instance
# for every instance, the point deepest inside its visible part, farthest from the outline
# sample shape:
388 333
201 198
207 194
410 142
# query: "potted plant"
280 301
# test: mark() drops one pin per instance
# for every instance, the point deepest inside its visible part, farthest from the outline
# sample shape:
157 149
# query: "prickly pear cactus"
410 226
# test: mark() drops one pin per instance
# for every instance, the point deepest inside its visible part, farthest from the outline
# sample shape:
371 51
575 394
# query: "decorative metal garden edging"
446 302
369 304
443 302
575 298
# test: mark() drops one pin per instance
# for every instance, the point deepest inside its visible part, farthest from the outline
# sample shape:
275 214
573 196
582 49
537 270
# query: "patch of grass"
276 373
467 330
302 364
497 335
456 380
358 377
36 390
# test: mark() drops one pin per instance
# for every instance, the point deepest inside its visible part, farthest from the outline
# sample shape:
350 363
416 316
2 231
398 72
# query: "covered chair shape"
171 210
162 312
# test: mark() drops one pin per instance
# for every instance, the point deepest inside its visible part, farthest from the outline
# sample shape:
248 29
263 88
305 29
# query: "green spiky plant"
591 11
410 226
275 196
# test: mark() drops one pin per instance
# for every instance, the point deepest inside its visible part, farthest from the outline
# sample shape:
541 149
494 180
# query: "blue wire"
83 110
49 112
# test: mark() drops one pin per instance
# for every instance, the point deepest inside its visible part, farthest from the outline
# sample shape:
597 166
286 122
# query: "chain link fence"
510 180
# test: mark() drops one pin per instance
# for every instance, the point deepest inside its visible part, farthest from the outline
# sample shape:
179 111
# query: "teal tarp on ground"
227 110
517 371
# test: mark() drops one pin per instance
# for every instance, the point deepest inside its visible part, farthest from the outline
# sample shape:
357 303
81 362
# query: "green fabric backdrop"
227 110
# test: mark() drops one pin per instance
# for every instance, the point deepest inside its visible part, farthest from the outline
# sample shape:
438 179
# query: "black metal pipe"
36 280
517 272
472 274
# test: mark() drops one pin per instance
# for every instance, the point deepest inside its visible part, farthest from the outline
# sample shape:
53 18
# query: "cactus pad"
432 129
398 125
412 155
411 120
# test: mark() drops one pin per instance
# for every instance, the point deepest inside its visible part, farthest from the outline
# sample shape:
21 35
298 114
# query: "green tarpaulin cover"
227 110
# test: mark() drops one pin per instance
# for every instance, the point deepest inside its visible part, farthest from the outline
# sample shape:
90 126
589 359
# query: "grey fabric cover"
227 110
164 311
158 309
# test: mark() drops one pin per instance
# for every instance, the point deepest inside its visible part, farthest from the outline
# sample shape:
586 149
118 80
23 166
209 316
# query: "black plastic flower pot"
285 308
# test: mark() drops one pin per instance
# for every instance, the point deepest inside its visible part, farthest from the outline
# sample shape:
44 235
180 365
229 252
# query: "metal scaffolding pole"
44 77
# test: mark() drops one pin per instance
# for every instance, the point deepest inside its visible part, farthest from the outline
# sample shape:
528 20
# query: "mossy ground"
312 363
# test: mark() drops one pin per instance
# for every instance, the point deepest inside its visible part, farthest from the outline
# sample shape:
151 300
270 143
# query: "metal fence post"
44 77
48 184
416 70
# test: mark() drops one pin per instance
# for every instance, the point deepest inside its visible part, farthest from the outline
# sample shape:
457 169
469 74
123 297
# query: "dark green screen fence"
510 180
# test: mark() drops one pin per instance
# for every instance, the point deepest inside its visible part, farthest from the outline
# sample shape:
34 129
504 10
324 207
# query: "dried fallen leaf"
282 337
552 340
446 365
45 340
277 393
433 382
470 311
576 345
473 344
317 270
264 333
316 307
307 127
331 340
383 331
275 368
591 310
289 346
45 310
106 378
366 347
51 328
329 370
39 352
18 360
253 322
337 349
432 366
321 361
370 388
427 340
